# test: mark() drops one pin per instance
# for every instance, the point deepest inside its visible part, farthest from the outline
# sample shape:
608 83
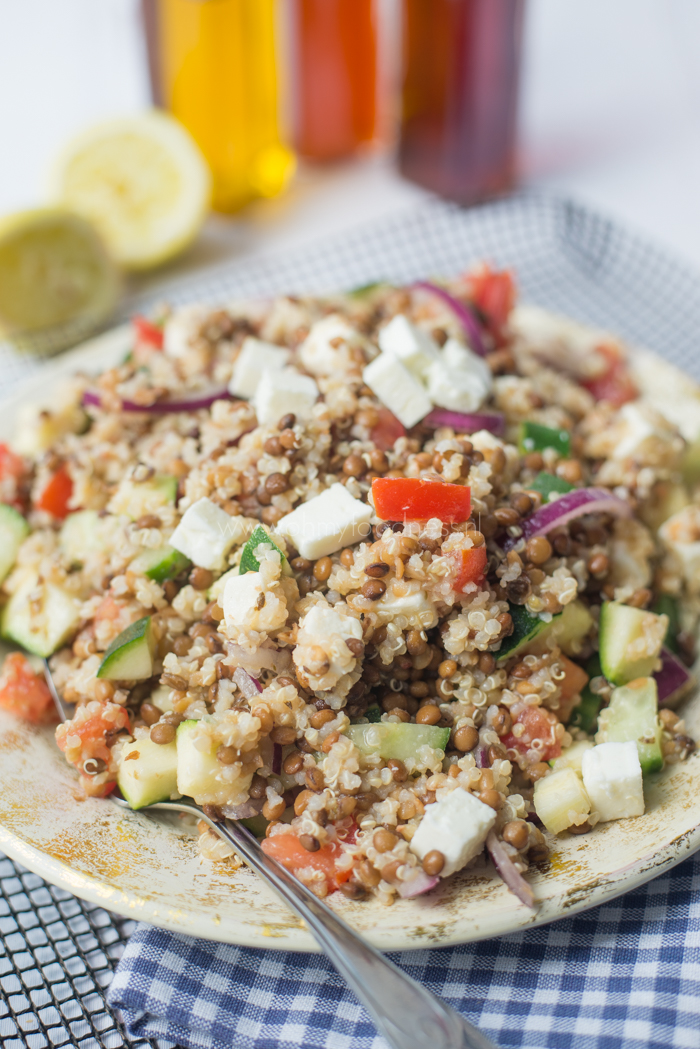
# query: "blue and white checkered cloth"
622 976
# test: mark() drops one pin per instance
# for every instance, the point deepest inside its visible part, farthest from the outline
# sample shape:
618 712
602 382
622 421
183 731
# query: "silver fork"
407 1014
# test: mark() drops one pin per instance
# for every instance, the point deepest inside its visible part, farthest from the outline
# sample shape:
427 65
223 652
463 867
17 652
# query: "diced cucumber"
198 771
257 825
41 426
623 651
561 800
691 463
585 715
136 498
40 616
531 634
160 697
163 563
633 715
397 741
572 757
249 562
549 484
130 656
13 530
534 437
666 605
669 499
147 772
85 532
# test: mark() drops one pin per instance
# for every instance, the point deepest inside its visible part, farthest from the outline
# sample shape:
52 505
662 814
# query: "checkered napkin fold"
622 976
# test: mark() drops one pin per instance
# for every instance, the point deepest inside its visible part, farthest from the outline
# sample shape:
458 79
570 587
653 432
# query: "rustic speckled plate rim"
160 879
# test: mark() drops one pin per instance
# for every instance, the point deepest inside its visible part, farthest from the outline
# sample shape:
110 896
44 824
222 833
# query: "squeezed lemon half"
142 181
57 280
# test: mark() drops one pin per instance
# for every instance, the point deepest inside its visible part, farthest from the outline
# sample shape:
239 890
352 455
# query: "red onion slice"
277 758
568 508
202 399
481 758
673 680
245 811
417 883
250 686
466 422
507 870
463 313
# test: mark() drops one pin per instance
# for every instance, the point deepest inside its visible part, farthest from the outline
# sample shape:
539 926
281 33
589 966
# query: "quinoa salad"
406 579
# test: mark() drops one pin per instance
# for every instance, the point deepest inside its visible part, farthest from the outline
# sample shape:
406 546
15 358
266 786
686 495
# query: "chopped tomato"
387 430
415 499
615 385
24 693
148 333
11 472
288 850
537 723
472 565
56 495
90 734
493 293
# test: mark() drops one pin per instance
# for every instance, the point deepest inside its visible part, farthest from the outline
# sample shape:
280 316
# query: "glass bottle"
213 64
335 76
461 62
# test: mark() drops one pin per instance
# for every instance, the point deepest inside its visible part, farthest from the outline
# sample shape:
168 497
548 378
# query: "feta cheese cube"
321 353
410 344
612 776
280 392
407 597
206 533
182 330
680 534
457 826
325 630
459 380
397 388
254 357
640 426
241 604
327 523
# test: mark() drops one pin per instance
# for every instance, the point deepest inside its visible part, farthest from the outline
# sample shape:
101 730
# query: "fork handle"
408 1015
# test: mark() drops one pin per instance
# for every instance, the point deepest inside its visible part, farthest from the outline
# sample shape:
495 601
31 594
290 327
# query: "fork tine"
65 710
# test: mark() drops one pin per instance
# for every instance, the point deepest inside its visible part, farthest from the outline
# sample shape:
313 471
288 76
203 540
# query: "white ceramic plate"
148 868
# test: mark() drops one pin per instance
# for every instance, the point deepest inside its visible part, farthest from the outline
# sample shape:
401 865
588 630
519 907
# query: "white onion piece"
250 687
567 508
417 883
673 680
278 660
245 811
507 870
465 422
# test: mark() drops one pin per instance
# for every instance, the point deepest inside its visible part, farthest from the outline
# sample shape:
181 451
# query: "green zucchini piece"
549 484
666 605
633 714
249 562
198 771
585 715
85 532
151 775
397 741
164 563
130 656
621 628
13 531
534 437
531 634
40 617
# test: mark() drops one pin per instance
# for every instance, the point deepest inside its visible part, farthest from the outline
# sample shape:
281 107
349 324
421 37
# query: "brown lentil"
163 733
322 569
428 715
373 589
516 833
465 738
201 578
447 668
377 570
538 549
384 840
276 483
283 734
287 421
227 755
314 779
433 862
273 810
150 713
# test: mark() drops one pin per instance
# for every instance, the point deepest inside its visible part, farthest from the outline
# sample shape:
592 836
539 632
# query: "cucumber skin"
616 630
398 741
569 627
585 715
158 782
525 629
13 531
130 643
632 716
666 605
165 563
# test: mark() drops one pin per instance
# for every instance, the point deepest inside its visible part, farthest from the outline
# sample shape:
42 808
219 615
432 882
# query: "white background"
610 114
